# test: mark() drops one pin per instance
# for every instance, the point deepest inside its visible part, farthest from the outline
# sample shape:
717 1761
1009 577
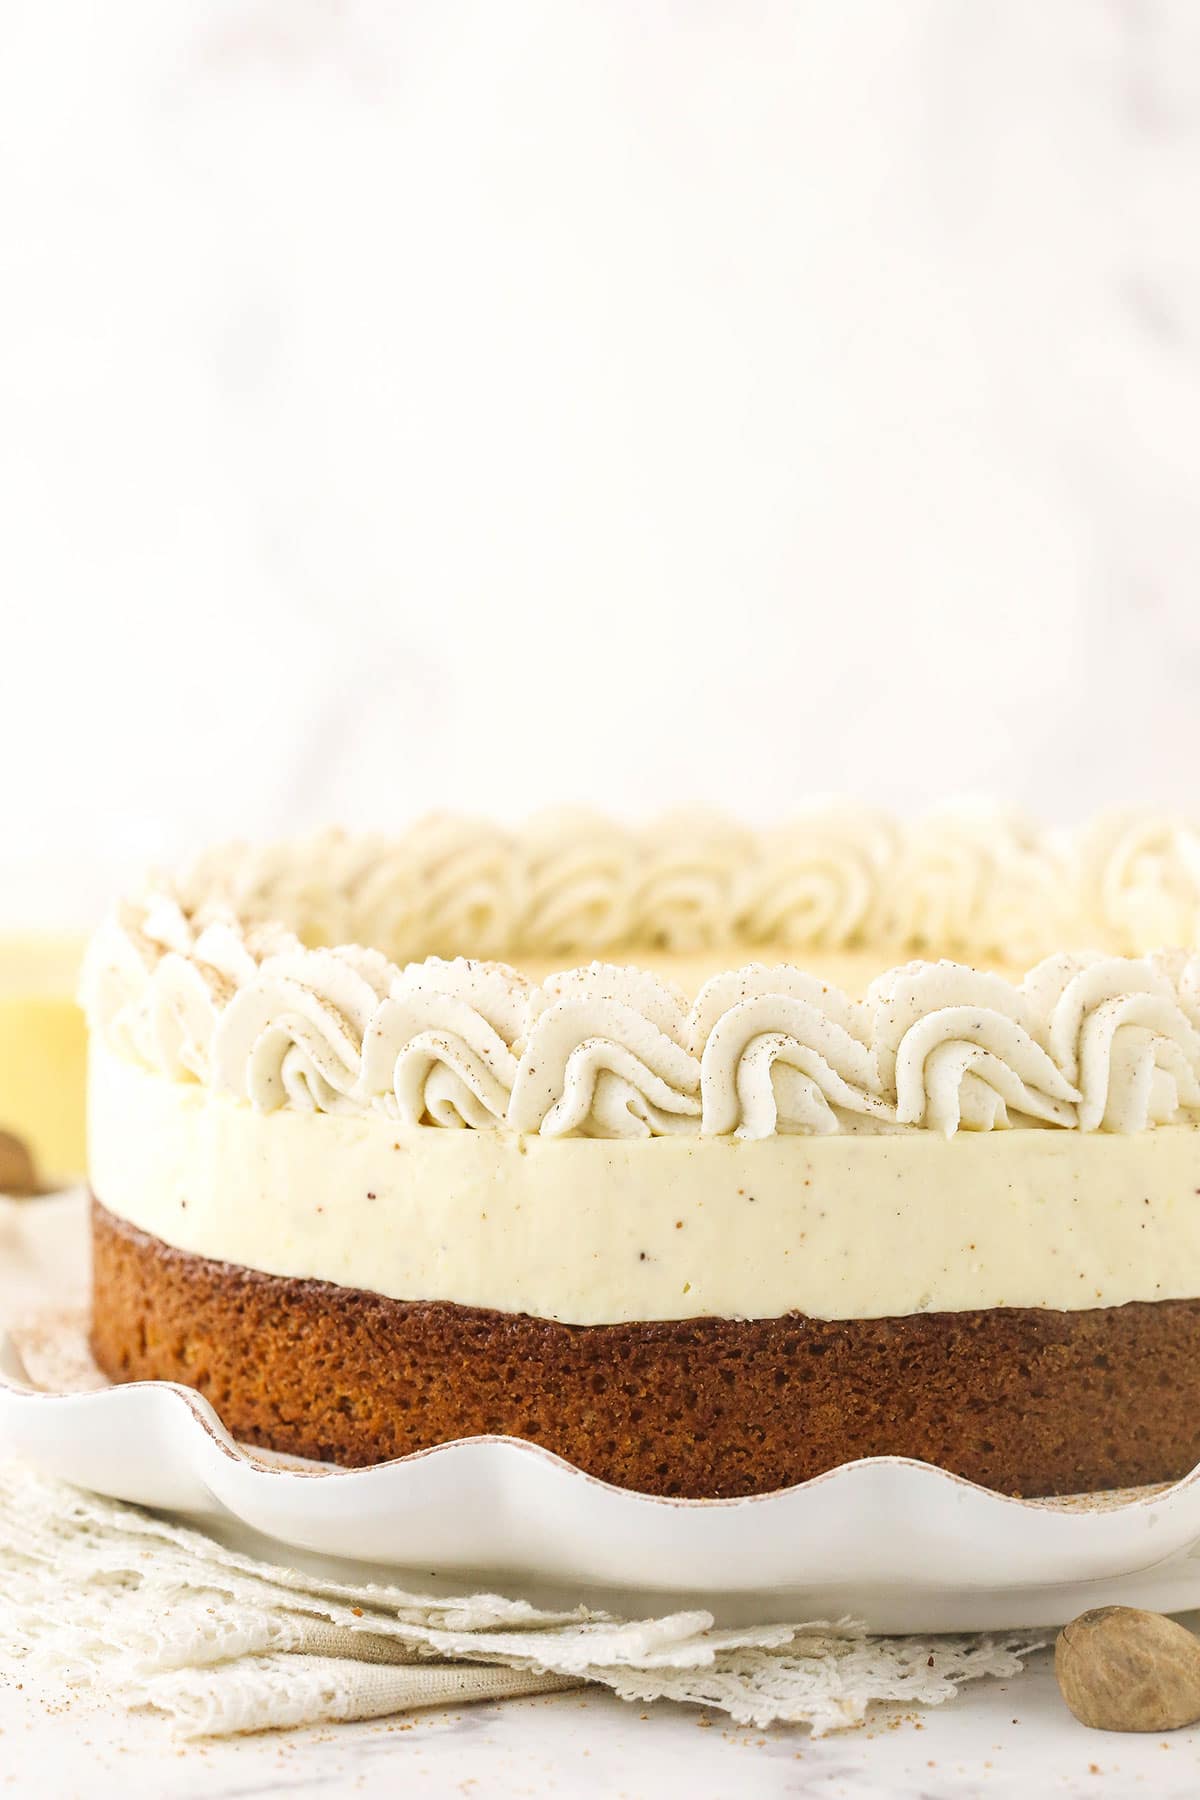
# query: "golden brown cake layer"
1028 1401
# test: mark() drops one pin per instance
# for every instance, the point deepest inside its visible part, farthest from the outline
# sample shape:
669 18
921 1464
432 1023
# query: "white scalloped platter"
899 1544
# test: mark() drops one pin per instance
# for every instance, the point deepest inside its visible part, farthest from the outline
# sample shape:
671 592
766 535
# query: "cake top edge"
231 974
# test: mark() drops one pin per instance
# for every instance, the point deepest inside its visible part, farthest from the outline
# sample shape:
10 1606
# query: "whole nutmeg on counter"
1121 1669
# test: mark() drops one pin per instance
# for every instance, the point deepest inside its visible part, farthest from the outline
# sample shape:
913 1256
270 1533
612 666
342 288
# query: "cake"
706 1158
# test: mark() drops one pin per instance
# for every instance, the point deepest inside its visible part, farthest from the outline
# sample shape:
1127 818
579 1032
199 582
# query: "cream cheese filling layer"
594 1231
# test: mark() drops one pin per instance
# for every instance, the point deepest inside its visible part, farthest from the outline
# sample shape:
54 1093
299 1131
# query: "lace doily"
149 1613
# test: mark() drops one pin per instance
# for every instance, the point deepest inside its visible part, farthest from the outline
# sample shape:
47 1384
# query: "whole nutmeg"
1121 1669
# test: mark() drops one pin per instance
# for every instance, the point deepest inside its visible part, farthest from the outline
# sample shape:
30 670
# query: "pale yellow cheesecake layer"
43 1051
601 1231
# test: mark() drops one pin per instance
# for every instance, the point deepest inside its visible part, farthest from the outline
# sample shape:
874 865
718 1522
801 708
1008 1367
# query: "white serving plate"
904 1546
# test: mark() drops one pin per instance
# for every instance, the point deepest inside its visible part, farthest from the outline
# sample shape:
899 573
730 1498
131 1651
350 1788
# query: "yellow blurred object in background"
43 1051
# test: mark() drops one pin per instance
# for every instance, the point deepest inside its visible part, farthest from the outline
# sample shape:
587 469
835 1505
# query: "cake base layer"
1028 1401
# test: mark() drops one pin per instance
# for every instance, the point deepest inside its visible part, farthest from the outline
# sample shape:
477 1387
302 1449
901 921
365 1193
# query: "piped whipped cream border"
973 882
200 981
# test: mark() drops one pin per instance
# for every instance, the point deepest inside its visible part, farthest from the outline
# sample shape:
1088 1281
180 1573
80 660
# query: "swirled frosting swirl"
976 881
685 896
1139 876
605 1056
1117 1028
439 1048
818 882
293 1034
783 1051
958 1047
581 881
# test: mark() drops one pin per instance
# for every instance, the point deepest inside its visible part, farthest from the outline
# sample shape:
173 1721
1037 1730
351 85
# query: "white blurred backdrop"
638 401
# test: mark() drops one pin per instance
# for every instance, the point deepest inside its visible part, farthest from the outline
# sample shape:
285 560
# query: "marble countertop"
807 393
1011 1738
